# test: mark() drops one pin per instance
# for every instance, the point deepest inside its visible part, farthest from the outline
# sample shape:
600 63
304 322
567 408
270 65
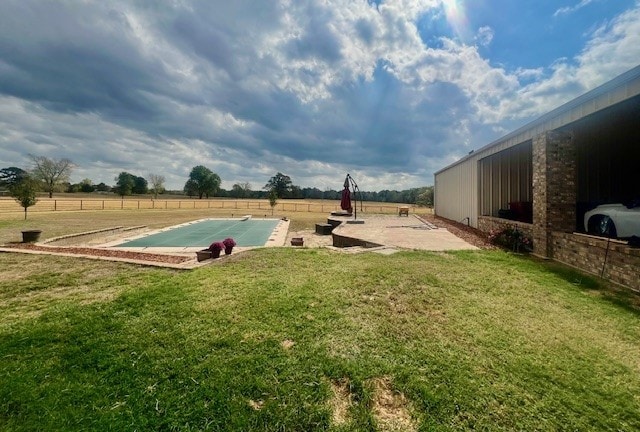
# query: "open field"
294 339
304 214
75 202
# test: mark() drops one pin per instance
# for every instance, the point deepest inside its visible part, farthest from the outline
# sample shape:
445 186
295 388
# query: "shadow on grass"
591 284
608 291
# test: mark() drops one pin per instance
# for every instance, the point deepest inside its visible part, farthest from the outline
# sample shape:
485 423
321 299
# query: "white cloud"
484 35
529 74
313 89
571 9
613 48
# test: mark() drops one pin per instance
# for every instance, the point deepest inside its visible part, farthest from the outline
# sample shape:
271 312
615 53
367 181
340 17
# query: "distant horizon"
180 192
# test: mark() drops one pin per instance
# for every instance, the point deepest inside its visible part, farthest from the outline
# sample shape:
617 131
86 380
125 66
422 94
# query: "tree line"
52 175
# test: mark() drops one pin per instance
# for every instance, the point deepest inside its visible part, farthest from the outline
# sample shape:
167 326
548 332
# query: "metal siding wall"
505 177
456 192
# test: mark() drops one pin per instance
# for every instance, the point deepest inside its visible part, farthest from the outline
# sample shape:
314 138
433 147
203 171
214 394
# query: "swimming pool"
246 232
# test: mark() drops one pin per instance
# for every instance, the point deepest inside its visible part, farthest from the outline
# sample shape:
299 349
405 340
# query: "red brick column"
554 188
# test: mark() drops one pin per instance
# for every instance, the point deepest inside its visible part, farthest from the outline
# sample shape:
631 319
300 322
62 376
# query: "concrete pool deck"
382 234
379 231
384 231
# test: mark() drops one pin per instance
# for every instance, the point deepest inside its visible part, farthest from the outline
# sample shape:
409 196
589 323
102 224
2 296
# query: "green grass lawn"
295 340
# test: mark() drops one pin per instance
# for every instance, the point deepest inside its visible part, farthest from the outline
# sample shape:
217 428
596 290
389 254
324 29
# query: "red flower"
216 247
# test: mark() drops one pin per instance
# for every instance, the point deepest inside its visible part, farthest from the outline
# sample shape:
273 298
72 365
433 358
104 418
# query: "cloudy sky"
389 90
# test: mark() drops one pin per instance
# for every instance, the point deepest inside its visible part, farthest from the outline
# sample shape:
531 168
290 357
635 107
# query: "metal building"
606 121
544 176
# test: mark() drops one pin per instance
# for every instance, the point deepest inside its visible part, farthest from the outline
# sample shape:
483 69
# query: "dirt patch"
310 238
390 408
341 401
287 344
110 253
256 405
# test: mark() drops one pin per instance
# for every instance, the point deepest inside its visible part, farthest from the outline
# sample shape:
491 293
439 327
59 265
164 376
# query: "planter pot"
297 241
202 255
215 254
31 236
228 250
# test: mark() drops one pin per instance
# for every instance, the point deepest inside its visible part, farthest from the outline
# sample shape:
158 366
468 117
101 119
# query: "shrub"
511 238
229 242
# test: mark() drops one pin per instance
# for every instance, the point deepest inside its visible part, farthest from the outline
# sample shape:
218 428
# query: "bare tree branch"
51 172
157 184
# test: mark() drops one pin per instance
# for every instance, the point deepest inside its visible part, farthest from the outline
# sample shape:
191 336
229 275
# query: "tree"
11 176
202 182
190 188
157 184
124 184
73 188
241 190
296 192
51 172
313 193
281 184
25 193
140 186
102 187
86 185
273 199
426 197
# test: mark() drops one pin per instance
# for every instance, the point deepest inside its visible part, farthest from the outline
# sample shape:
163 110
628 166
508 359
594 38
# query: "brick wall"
554 216
588 253
554 188
487 224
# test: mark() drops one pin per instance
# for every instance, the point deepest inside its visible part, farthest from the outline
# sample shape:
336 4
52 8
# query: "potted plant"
215 249
203 254
31 236
228 243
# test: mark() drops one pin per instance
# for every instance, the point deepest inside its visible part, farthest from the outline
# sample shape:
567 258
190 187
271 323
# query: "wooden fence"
46 204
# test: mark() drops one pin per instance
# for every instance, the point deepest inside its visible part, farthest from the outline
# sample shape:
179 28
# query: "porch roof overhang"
617 90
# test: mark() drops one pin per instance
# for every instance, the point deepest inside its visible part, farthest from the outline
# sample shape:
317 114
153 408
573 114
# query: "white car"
613 220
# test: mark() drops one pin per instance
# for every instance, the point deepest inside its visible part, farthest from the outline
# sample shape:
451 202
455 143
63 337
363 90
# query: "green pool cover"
250 232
